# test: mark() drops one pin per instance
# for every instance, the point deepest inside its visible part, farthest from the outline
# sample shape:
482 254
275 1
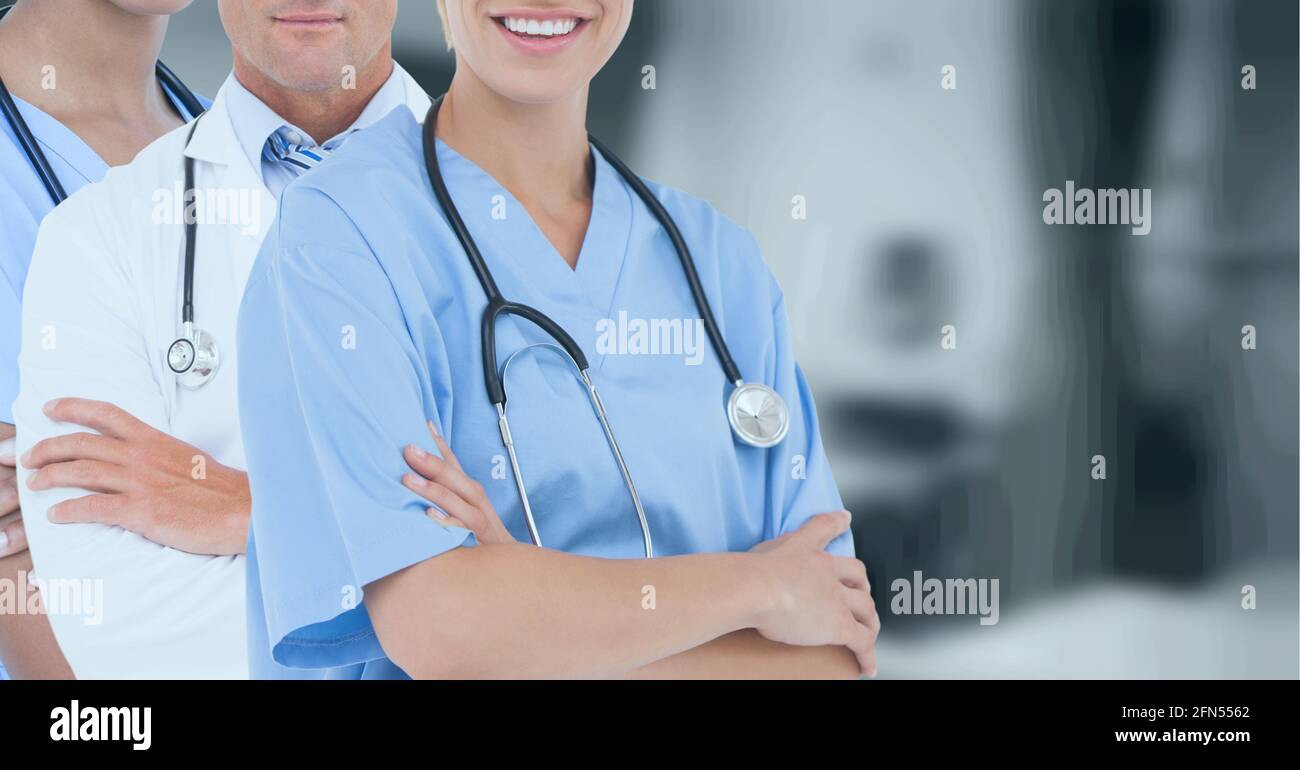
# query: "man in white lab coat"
131 478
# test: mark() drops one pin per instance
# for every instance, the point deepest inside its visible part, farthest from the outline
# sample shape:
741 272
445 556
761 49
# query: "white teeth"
548 28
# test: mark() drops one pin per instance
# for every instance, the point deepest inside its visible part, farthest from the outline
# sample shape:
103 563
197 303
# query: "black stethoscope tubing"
498 305
32 149
58 193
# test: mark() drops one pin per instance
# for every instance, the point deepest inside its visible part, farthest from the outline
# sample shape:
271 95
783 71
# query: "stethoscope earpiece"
758 415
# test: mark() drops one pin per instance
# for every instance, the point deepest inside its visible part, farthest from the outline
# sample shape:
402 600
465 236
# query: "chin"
152 7
539 94
300 72
535 85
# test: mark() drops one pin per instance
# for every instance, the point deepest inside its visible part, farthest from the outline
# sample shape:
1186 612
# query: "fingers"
73 446
8 479
862 643
447 474
101 509
851 572
862 626
462 500
90 475
13 537
438 515
452 504
863 608
855 591
823 528
8 495
443 448
8 450
101 416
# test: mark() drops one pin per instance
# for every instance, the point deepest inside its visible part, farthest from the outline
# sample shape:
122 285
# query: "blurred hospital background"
924 225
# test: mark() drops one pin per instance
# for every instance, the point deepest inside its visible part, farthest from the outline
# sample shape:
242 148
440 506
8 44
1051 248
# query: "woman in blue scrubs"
81 75
362 318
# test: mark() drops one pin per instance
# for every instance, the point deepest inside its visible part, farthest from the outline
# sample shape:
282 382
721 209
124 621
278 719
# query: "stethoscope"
757 413
193 357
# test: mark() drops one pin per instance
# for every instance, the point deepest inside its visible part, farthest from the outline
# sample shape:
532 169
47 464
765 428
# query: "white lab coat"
101 306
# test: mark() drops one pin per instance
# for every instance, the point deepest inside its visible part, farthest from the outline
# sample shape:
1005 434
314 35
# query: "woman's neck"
539 152
82 57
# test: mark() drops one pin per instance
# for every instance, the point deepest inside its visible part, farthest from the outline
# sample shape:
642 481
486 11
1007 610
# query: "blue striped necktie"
297 157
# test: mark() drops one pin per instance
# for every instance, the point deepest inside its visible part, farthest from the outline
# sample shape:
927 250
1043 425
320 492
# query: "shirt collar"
254 122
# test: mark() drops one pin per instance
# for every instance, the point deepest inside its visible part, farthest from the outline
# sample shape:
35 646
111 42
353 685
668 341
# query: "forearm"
515 611
747 654
27 645
131 608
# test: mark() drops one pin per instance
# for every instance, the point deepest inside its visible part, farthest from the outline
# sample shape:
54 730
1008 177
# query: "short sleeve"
331 389
799 474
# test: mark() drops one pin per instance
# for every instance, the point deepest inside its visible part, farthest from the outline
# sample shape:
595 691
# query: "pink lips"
540 46
309 21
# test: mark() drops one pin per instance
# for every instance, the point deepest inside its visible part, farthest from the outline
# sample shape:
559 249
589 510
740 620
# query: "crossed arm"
787 609
145 497
27 645
716 639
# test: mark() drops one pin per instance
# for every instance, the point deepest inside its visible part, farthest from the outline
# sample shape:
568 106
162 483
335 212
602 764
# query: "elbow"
843 665
409 641
432 656
437 666
419 633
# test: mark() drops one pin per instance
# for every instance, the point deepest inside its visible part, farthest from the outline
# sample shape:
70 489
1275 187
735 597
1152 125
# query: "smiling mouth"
539 29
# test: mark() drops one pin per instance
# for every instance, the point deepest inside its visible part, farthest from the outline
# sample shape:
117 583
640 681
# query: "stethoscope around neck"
194 357
757 414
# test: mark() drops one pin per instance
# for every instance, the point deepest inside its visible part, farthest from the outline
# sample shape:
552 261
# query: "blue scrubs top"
360 321
25 203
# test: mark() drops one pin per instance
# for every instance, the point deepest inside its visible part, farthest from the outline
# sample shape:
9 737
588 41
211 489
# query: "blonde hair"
446 27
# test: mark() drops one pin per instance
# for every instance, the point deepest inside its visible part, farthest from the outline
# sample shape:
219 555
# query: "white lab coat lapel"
416 99
225 251
224 166
224 257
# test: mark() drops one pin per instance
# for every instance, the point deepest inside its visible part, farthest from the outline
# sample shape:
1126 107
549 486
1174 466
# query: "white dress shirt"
254 122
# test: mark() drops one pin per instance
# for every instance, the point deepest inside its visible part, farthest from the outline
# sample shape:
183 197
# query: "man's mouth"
309 20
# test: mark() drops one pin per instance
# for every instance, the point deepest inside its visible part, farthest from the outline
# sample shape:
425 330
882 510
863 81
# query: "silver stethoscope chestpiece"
180 356
758 415
194 359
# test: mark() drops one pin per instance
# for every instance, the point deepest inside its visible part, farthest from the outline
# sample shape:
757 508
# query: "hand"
13 538
143 480
444 483
820 599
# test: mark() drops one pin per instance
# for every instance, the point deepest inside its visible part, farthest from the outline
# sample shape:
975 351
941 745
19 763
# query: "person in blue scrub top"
81 74
361 323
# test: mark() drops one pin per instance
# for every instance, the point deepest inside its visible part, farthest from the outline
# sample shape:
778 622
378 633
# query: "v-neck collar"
59 141
604 247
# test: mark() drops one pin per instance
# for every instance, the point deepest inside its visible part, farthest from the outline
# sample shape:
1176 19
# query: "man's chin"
300 71
312 82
